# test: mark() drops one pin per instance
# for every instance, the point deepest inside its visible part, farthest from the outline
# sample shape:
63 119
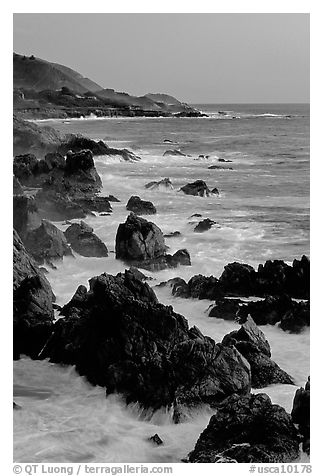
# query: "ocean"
262 212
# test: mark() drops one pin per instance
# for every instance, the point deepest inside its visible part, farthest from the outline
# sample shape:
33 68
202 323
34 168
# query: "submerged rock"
142 244
140 207
82 239
198 188
204 225
250 341
173 234
248 429
32 303
156 440
119 336
165 184
174 152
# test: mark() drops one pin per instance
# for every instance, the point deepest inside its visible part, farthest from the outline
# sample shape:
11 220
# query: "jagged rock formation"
248 429
120 337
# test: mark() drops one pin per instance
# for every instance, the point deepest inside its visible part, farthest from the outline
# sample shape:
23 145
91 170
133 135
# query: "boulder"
248 429
301 414
204 287
139 240
224 160
140 207
198 188
47 243
226 309
250 341
32 303
164 184
204 225
142 244
80 168
82 239
119 336
238 279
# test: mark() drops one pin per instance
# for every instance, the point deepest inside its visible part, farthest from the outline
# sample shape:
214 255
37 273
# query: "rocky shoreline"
119 336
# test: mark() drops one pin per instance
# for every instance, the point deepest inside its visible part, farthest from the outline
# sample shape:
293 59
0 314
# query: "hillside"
37 74
50 90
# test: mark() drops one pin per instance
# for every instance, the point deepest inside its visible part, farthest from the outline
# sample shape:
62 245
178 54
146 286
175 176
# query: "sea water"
262 212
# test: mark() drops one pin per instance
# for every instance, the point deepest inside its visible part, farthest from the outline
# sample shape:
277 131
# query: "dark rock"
78 143
296 318
250 341
268 311
140 207
138 274
301 414
178 286
25 215
17 188
112 198
215 191
173 234
277 277
238 279
293 316
198 188
142 244
219 167
249 429
156 440
204 225
224 160
140 240
32 303
82 239
174 153
226 309
47 243
80 168
197 215
161 184
16 406
181 257
120 337
203 287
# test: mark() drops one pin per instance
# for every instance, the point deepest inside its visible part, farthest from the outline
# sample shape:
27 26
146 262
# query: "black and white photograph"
161 241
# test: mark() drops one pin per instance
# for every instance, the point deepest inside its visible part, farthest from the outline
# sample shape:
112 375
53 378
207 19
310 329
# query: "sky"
198 58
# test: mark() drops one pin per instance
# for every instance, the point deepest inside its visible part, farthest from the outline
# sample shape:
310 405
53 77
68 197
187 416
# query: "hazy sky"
198 58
